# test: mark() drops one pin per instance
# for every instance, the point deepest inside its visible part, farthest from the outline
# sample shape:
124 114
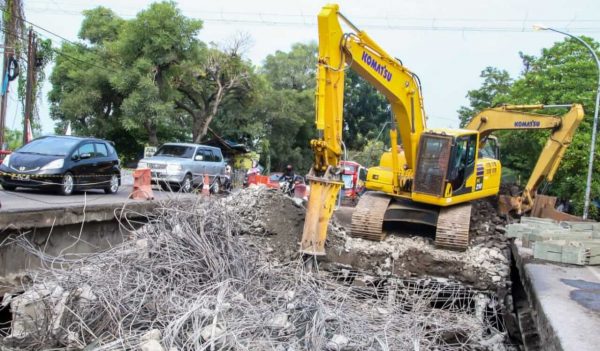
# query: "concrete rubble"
226 274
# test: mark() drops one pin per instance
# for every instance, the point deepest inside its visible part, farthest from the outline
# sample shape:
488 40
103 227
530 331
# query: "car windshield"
175 151
347 179
49 146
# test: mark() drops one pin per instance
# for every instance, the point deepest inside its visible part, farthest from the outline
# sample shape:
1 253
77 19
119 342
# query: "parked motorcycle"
287 185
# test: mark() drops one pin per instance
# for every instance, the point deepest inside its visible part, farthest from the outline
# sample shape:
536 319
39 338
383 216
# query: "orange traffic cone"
206 185
142 187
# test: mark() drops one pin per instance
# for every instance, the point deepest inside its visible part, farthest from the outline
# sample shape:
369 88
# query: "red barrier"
252 178
300 191
258 179
142 185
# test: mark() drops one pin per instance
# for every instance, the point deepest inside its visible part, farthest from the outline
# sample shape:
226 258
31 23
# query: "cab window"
463 160
472 146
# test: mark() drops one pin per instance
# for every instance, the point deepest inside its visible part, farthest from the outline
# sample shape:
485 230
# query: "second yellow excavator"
519 117
428 177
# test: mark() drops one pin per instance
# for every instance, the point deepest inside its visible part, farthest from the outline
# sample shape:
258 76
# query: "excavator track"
453 227
367 219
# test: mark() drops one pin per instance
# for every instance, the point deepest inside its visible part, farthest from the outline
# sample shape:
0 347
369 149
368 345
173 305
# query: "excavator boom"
339 51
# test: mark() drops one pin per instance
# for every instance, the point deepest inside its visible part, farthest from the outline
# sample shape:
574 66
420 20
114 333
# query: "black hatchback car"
64 163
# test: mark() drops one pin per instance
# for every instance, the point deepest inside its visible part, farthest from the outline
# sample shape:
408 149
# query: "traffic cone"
206 185
142 187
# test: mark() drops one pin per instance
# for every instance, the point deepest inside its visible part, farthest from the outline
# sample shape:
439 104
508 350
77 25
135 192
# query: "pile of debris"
193 279
278 221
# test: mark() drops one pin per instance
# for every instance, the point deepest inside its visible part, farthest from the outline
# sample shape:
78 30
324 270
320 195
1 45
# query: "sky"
447 43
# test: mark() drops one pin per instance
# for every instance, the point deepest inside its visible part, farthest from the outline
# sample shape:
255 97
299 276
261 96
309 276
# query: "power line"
275 19
356 18
61 37
59 52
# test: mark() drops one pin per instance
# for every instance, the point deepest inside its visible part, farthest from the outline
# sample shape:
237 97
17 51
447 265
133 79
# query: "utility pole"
8 52
29 98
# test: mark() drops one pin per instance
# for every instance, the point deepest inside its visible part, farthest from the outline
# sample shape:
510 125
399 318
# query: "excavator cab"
445 163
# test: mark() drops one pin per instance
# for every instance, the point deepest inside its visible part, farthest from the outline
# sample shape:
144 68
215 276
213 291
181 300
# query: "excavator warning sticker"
478 183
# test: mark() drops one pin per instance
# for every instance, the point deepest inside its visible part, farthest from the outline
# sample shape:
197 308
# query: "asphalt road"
33 199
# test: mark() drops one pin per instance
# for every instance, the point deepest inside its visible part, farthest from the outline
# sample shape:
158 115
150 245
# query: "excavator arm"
517 117
339 51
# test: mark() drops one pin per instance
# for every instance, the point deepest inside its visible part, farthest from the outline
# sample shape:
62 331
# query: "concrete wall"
94 237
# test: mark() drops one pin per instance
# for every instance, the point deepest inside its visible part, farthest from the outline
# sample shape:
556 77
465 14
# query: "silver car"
183 166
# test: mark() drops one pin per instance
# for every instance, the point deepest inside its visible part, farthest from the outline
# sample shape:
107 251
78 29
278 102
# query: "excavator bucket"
507 204
321 203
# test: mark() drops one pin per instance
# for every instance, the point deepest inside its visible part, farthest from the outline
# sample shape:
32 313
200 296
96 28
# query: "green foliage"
14 138
493 91
99 25
370 154
144 80
287 107
365 112
562 74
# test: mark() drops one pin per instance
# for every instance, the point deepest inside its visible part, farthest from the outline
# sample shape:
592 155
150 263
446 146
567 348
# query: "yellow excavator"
429 178
518 117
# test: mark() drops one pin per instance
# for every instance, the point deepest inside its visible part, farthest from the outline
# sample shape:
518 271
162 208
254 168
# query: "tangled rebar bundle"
186 282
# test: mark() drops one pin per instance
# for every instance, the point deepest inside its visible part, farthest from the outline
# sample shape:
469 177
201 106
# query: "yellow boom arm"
514 117
339 51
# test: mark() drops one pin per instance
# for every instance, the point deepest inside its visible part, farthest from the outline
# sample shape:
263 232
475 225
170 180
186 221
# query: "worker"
227 185
288 173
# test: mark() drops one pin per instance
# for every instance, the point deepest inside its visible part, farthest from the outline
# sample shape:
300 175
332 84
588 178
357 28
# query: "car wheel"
68 184
216 187
113 185
8 187
186 184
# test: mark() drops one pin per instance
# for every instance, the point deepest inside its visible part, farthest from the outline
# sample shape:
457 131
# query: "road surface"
32 199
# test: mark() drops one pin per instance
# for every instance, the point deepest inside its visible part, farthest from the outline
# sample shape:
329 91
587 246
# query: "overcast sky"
447 43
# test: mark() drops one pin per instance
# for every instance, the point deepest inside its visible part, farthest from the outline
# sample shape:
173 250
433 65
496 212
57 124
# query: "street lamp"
588 184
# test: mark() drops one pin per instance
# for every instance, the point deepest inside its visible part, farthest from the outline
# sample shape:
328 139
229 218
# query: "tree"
205 84
147 79
365 112
562 74
287 109
494 90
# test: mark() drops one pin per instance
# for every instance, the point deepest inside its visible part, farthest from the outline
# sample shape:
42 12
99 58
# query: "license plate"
21 177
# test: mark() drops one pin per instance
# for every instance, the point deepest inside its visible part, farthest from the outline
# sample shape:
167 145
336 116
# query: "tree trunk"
152 133
201 124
